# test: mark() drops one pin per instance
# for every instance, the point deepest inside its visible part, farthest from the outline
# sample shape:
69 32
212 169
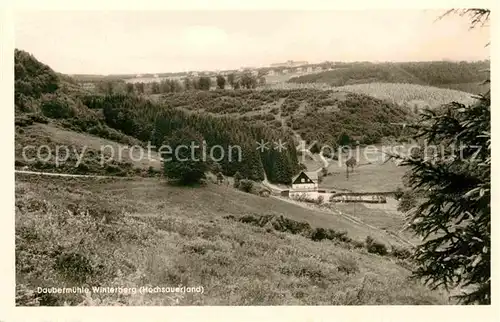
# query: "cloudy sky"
119 42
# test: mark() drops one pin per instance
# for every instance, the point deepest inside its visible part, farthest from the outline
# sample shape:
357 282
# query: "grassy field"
81 146
366 178
382 216
372 174
133 233
410 95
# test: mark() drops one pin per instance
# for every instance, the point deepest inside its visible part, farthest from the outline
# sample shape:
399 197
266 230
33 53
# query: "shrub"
339 235
246 185
152 172
375 247
237 178
23 120
182 166
74 266
399 193
319 234
347 265
114 170
357 244
57 107
220 177
399 252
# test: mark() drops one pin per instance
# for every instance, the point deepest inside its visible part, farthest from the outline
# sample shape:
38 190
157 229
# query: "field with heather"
243 249
412 96
243 245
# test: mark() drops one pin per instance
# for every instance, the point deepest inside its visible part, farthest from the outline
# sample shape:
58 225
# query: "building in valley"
305 182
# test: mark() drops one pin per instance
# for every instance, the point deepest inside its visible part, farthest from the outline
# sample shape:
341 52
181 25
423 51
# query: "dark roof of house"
311 175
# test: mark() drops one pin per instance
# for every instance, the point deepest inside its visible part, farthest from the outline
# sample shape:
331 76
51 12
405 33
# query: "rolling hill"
464 76
315 115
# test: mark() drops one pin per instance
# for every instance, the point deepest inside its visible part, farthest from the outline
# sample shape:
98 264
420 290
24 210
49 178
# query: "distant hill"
464 76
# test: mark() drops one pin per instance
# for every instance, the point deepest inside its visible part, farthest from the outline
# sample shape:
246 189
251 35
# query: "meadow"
86 232
85 154
411 95
365 178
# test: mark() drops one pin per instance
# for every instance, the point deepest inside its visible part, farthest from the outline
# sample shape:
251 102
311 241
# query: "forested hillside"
152 122
316 115
464 76
41 96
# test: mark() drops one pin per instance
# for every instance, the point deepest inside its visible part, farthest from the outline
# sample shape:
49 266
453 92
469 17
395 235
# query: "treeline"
231 81
437 73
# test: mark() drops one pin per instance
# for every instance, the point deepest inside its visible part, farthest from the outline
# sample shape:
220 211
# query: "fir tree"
453 217
453 214
185 164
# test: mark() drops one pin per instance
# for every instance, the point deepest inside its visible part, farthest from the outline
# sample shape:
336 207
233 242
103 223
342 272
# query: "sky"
134 42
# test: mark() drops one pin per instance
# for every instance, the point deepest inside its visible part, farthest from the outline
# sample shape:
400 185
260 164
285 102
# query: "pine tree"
221 82
181 165
453 184
453 218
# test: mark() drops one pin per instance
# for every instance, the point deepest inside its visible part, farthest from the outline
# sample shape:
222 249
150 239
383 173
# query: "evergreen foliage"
454 216
185 164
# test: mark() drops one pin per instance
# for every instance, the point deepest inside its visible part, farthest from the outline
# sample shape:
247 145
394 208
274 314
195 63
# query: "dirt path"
298 137
271 186
67 175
